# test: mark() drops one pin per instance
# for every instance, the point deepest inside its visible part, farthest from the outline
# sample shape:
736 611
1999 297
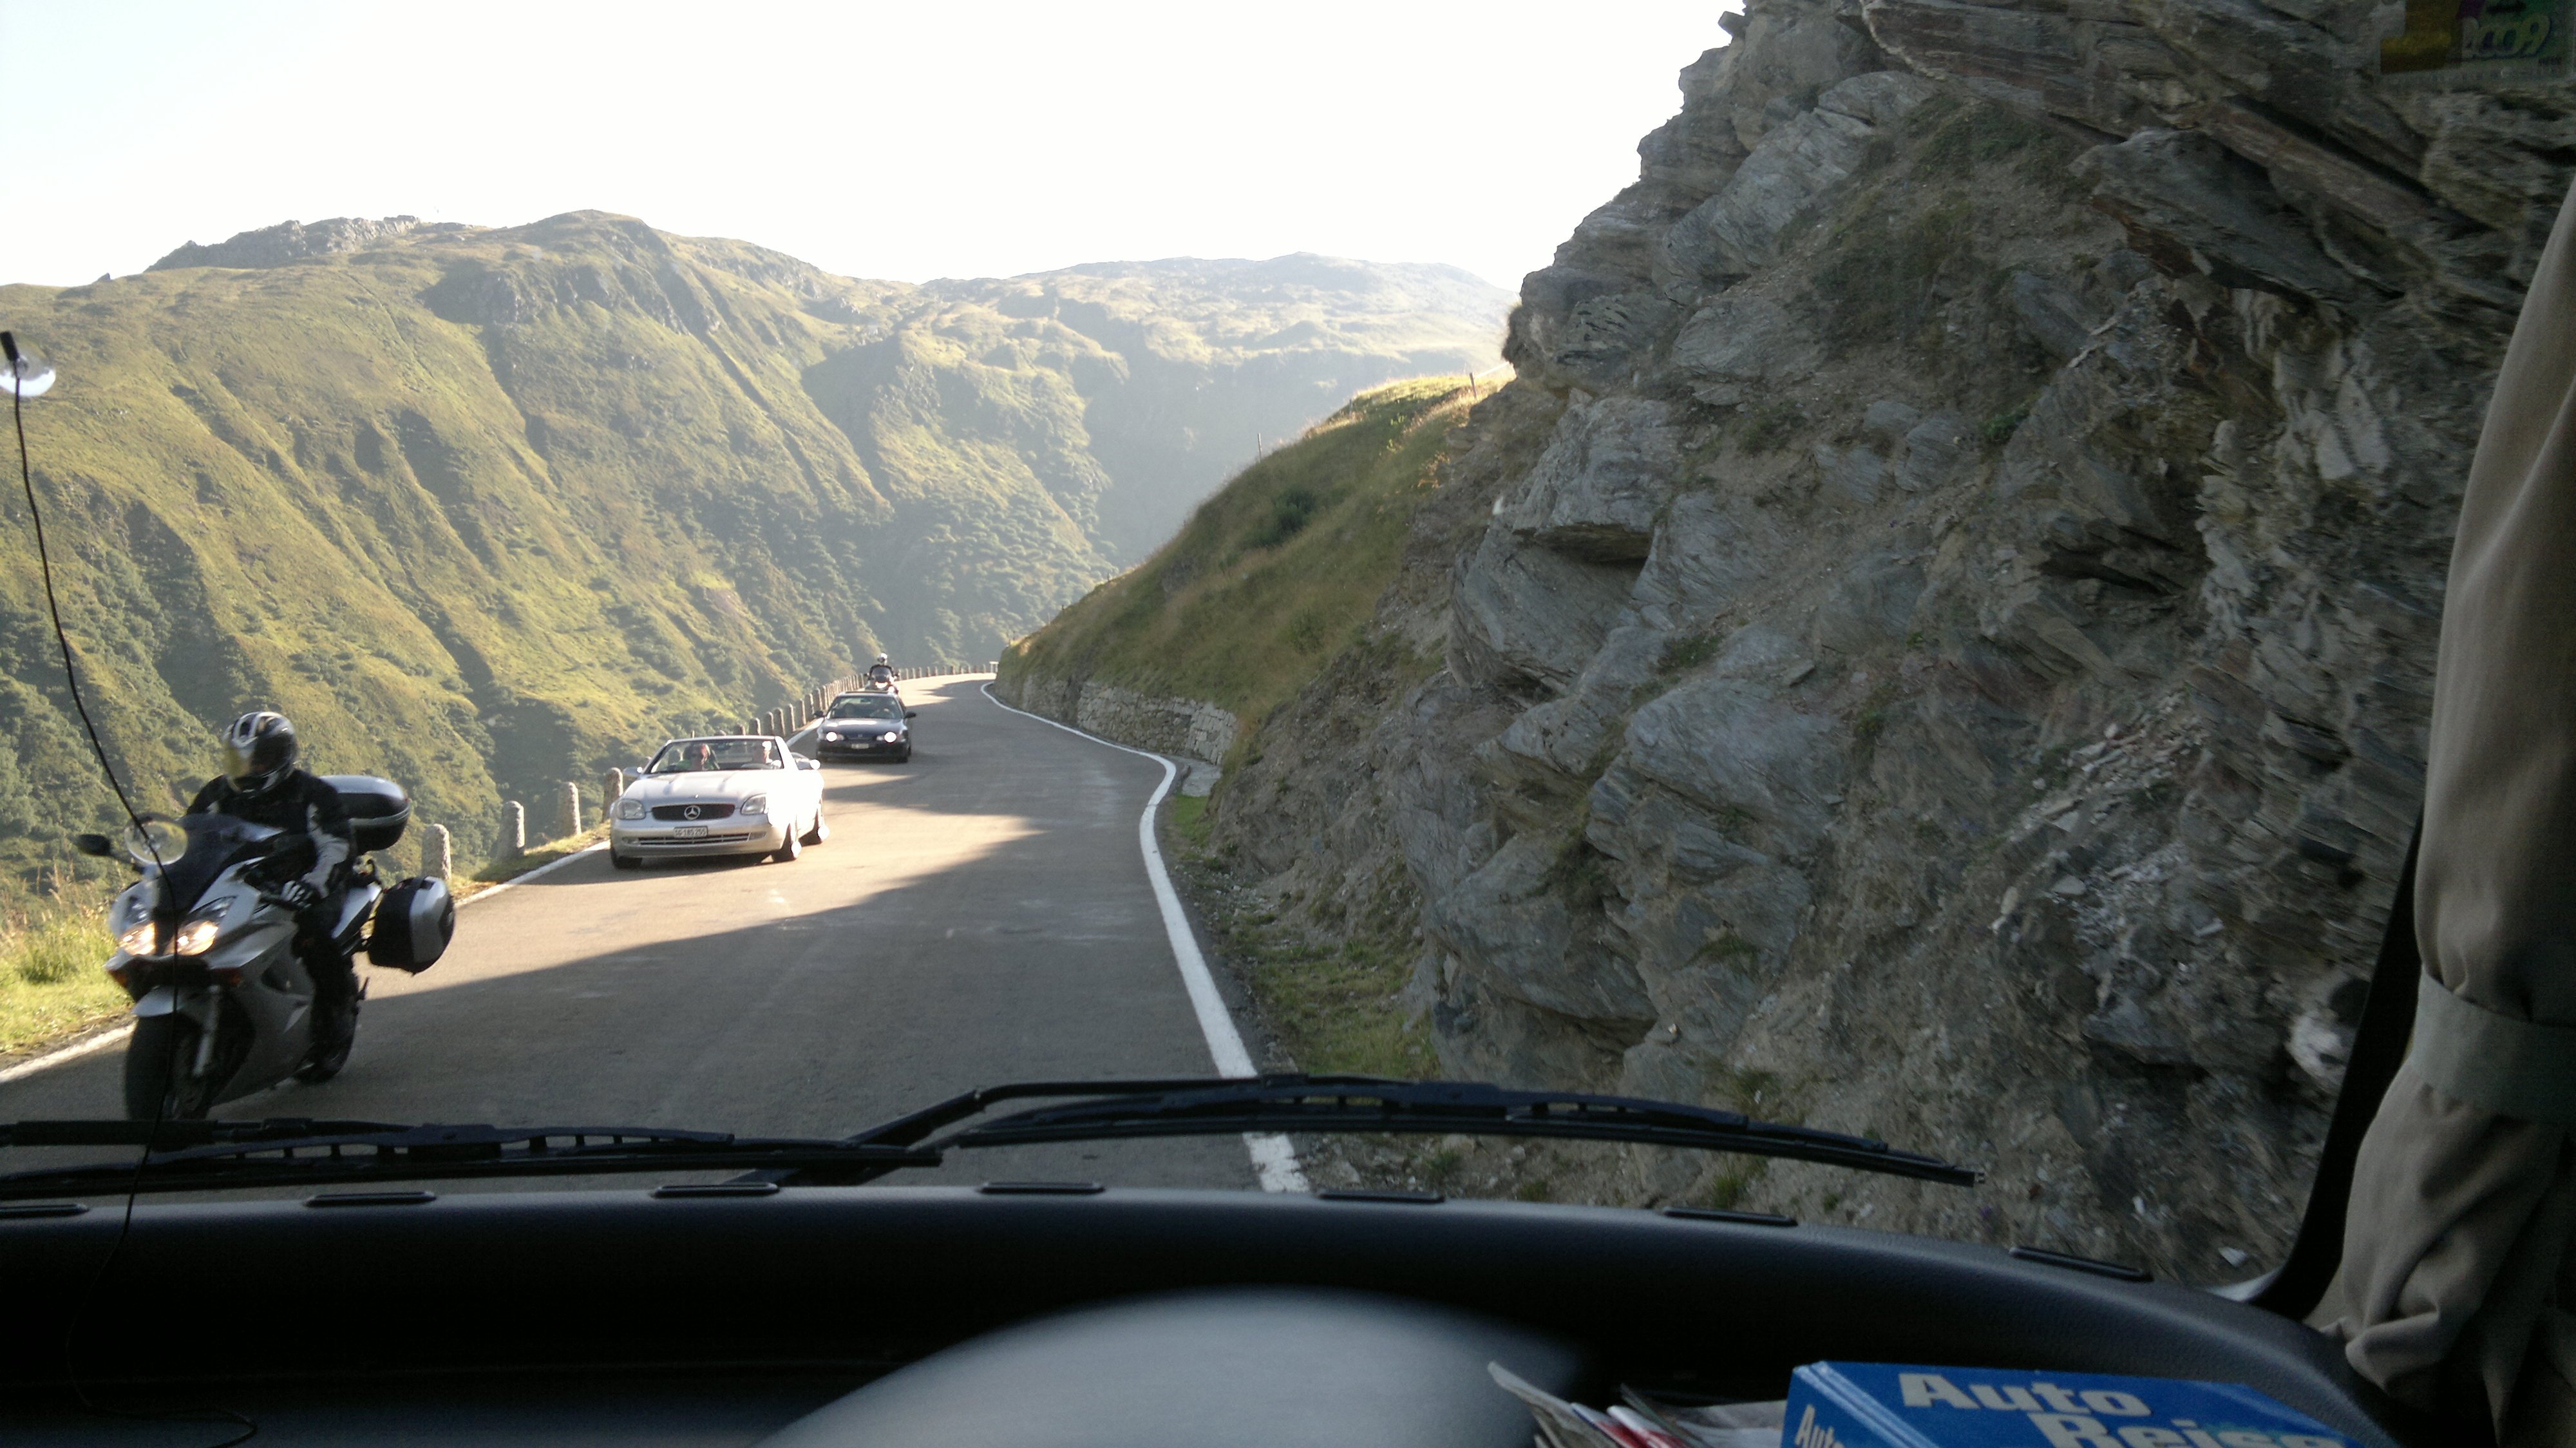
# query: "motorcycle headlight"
891 736
630 809
141 939
757 804
196 935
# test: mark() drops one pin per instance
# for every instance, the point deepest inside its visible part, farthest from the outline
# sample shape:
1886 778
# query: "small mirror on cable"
22 370
98 847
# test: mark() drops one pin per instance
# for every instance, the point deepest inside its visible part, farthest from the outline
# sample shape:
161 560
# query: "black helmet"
259 750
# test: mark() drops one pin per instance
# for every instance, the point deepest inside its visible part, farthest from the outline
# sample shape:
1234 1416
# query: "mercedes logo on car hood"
690 813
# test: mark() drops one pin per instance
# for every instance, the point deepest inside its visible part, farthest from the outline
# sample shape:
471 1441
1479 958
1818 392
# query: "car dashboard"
1036 1314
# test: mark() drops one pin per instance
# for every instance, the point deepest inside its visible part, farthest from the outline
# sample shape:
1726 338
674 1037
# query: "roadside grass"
1275 574
51 986
1336 1010
502 872
1191 821
1335 1006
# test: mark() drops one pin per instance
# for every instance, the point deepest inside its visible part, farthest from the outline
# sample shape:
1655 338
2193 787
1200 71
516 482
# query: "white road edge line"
1274 1161
74 1051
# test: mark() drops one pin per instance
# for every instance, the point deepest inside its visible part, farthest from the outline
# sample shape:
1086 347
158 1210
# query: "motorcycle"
223 996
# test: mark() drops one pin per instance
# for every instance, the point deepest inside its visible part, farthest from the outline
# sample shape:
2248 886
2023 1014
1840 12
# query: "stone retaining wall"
1190 729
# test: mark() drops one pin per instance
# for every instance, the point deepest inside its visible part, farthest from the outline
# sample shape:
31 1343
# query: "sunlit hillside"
482 508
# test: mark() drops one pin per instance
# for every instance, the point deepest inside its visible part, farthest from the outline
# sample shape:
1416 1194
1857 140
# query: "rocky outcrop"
292 241
1938 636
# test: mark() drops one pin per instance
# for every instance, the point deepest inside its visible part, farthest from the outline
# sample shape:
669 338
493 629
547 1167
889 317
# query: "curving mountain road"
981 914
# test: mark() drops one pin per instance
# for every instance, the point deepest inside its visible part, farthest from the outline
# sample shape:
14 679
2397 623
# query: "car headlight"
757 804
630 809
197 934
142 939
891 736
831 736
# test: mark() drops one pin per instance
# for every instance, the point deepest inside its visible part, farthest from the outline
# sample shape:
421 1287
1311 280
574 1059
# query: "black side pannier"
414 922
378 809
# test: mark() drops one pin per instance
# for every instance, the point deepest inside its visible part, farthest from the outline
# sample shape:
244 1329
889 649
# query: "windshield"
214 843
689 756
1909 612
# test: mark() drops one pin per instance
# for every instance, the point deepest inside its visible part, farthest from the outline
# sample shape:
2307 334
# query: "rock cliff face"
1937 639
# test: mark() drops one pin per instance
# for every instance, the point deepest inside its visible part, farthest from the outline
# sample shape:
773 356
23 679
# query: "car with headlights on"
722 794
865 725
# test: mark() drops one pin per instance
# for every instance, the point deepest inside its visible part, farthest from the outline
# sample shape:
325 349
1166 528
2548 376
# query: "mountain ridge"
483 507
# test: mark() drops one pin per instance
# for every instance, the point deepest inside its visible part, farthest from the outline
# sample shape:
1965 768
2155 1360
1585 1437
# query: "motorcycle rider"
263 784
881 673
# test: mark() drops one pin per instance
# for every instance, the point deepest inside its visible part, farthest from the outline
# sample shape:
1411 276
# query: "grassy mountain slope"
1277 572
482 507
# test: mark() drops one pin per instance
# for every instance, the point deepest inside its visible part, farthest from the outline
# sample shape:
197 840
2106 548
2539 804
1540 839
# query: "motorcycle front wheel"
157 1083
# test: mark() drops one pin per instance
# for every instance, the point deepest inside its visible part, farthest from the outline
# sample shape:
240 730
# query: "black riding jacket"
299 804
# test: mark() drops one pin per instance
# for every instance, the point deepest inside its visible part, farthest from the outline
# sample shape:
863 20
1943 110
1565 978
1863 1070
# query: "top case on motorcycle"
379 810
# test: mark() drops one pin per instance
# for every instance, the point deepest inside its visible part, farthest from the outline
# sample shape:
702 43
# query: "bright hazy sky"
881 140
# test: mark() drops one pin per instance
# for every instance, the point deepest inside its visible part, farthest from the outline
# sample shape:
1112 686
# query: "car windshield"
689 756
1813 574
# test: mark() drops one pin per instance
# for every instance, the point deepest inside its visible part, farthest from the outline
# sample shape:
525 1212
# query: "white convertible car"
725 794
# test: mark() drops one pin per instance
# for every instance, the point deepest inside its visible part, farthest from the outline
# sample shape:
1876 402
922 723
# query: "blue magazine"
1896 1405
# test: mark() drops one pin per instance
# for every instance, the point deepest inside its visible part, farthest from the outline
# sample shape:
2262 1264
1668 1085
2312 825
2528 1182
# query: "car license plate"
691 832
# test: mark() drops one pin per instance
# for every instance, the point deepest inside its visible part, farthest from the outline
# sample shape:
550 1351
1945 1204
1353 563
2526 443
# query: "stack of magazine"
1897 1405
1638 1421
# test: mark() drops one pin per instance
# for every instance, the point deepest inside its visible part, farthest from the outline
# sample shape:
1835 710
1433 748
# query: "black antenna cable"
16 371
45 567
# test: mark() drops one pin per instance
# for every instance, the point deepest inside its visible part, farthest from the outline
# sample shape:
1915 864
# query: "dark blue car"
865 726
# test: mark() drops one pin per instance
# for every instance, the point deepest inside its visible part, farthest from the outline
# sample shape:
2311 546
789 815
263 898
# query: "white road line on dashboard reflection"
1274 1161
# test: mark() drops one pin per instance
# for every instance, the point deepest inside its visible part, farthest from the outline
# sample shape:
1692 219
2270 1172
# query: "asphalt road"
979 915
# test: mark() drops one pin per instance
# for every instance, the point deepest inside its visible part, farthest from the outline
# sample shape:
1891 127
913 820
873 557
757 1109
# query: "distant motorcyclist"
881 673
262 784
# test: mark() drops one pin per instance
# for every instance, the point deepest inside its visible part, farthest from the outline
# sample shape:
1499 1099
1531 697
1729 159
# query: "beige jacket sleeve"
2456 1257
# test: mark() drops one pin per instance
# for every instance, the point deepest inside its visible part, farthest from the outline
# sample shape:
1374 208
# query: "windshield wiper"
293 1151
1299 1103
184 1156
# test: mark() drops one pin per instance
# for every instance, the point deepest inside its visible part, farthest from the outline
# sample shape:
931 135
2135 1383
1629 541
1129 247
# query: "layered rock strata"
1937 639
